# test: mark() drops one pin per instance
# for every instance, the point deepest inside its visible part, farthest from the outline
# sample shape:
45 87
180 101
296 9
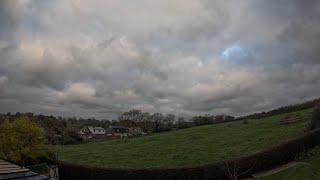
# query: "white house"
89 132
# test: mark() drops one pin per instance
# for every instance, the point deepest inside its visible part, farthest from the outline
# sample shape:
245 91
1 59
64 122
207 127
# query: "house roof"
11 171
97 130
109 131
118 127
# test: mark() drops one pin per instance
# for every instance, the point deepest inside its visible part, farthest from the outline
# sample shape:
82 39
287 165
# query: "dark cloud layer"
100 58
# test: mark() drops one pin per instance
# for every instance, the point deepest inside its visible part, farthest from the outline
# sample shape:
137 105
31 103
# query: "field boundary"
243 166
276 170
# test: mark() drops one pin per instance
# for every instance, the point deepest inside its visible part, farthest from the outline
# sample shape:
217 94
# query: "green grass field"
305 170
193 146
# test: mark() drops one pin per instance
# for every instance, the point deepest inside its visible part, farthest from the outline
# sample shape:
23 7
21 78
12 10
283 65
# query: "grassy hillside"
191 146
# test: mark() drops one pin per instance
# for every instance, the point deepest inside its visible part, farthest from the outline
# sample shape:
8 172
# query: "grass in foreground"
193 146
308 169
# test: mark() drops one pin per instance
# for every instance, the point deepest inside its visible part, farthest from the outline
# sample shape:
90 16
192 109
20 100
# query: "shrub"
22 140
308 154
288 116
315 121
245 121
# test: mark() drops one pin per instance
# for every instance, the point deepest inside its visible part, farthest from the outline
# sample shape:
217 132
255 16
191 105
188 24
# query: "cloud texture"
100 58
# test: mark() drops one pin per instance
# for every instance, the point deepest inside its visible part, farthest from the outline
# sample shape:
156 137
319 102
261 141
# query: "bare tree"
134 115
141 117
234 171
157 119
144 121
169 119
181 122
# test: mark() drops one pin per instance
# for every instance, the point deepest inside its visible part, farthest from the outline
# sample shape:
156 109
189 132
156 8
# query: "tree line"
281 110
158 122
210 119
61 130
149 122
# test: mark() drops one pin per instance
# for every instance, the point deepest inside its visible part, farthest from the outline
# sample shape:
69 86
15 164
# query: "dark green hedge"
244 166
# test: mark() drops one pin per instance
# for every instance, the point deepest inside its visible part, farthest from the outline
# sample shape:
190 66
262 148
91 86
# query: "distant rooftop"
119 127
96 130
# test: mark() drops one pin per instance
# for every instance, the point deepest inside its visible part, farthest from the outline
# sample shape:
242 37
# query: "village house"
90 132
136 131
118 131
113 132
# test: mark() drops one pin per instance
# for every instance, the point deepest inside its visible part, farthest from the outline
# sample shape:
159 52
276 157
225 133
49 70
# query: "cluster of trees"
281 110
61 130
149 122
210 119
158 122
58 130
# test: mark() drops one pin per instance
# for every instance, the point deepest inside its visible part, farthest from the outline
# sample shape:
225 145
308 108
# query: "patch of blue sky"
268 55
237 51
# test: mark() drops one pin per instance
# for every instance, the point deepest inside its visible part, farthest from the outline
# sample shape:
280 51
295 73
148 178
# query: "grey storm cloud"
100 58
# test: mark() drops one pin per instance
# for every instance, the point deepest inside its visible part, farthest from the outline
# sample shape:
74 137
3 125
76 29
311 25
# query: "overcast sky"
187 57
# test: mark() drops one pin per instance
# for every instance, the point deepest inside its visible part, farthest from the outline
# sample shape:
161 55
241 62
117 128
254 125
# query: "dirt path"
275 170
